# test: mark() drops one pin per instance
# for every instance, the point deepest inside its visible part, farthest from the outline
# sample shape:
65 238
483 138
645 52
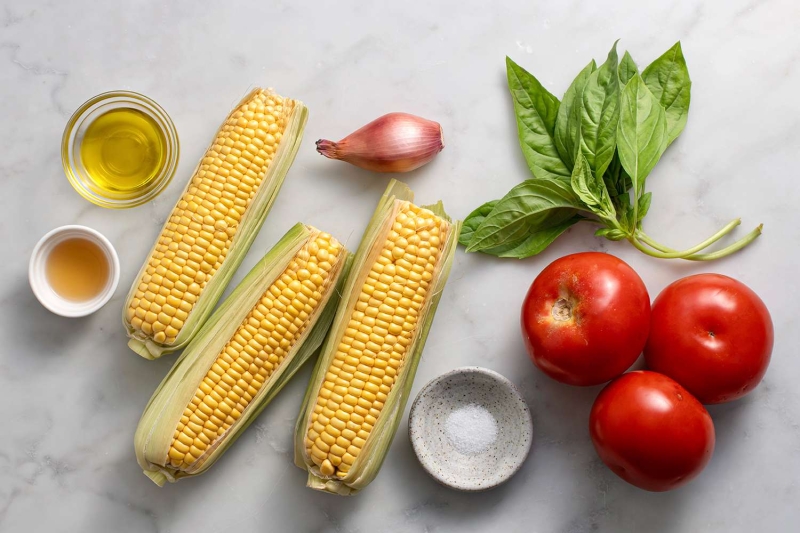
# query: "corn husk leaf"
156 427
369 461
246 232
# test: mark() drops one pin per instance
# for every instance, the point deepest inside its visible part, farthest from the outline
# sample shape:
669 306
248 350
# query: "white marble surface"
71 392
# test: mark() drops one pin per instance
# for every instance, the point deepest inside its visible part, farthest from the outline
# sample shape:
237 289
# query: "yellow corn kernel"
246 362
194 244
372 349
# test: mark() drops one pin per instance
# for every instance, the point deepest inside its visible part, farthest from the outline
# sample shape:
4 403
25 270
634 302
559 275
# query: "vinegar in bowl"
77 269
73 270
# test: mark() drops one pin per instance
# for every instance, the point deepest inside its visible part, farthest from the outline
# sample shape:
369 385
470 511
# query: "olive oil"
77 269
123 150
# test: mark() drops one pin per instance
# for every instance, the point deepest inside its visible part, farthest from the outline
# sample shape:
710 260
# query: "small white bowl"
496 461
38 278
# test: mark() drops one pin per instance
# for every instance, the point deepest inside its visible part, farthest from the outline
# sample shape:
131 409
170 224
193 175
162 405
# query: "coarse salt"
471 429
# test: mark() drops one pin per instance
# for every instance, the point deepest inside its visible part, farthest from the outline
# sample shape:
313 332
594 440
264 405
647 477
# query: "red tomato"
650 431
585 318
711 334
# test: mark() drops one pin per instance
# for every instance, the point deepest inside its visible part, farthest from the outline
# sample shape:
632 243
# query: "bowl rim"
463 371
162 180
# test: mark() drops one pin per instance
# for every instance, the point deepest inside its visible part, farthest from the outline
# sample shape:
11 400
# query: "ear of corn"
247 351
358 392
214 223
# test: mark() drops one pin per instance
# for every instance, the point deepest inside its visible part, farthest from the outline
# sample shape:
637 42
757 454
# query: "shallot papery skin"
396 142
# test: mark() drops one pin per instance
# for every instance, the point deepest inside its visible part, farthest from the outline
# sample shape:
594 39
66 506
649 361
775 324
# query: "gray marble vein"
71 392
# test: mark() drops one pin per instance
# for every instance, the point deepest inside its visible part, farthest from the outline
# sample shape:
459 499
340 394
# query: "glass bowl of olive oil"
120 149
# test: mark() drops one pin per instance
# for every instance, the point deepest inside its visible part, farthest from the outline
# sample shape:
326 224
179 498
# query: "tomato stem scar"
562 310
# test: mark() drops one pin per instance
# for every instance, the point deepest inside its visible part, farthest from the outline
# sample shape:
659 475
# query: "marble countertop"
71 392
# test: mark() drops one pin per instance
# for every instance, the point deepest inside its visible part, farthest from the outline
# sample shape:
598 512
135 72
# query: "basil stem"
635 236
724 252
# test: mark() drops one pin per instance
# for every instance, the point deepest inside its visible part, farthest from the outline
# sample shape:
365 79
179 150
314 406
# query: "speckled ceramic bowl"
485 465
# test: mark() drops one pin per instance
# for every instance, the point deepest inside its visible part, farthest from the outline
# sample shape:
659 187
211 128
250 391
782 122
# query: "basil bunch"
590 155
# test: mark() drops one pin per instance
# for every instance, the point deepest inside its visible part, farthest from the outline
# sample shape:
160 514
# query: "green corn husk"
246 232
369 461
160 418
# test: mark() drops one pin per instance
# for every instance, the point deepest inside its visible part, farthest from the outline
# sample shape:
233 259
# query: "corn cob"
213 224
272 323
363 377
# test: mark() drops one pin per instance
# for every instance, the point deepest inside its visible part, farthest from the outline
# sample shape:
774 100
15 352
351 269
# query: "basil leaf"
612 234
642 133
600 114
474 220
644 206
524 208
668 79
536 111
553 223
514 237
627 69
611 176
567 132
498 251
622 204
538 240
616 179
624 211
591 190
628 221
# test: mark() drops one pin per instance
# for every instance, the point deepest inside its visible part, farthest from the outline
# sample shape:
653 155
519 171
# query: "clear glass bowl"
76 129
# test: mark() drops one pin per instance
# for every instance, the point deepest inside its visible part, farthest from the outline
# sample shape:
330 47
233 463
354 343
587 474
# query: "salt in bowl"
470 429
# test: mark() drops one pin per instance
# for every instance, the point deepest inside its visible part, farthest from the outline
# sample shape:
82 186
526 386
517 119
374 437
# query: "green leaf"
474 220
622 201
591 190
644 206
611 176
513 239
668 79
567 132
642 132
624 211
522 246
498 251
523 210
536 111
600 114
627 69
627 218
537 241
617 180
612 234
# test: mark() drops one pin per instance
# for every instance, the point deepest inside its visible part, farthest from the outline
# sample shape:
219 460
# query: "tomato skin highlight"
651 432
713 335
585 318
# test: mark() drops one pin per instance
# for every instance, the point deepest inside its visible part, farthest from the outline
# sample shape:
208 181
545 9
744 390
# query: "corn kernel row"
201 228
372 349
255 351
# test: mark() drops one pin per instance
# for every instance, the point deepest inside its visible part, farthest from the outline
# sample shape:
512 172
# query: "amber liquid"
123 150
77 269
